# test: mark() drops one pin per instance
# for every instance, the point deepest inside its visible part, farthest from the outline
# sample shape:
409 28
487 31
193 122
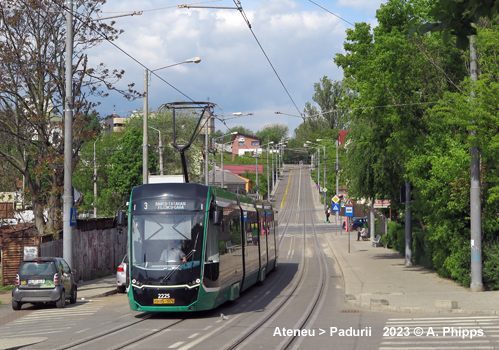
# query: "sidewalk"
376 278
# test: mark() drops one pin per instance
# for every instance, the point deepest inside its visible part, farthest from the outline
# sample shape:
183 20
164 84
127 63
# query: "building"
114 122
232 182
244 143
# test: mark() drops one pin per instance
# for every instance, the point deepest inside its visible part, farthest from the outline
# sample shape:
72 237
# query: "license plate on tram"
164 301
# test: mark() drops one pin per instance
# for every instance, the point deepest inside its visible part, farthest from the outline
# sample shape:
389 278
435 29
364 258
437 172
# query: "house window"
241 143
255 143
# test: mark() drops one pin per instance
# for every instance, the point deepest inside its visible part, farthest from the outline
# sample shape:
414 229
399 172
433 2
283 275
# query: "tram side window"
212 239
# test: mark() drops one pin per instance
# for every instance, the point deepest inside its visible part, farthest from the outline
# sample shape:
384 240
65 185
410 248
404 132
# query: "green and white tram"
192 247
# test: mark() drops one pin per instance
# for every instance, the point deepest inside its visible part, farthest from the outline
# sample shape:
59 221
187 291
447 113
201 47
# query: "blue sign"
349 212
335 207
72 219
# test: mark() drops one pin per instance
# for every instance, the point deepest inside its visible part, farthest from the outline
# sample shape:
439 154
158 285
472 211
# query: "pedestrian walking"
328 212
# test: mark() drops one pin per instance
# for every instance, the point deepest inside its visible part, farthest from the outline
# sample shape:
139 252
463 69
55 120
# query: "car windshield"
165 241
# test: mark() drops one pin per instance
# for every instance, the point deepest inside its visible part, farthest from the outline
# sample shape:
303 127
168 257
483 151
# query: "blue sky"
299 38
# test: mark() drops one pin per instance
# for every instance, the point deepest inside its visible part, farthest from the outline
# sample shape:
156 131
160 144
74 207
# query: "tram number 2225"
164 298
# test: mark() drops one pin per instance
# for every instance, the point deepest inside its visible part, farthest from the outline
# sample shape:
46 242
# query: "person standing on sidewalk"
328 212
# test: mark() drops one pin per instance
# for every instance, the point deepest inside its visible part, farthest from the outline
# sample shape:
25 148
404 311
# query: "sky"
269 68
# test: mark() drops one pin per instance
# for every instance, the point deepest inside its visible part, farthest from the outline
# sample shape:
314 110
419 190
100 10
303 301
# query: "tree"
32 94
458 18
242 130
273 132
327 96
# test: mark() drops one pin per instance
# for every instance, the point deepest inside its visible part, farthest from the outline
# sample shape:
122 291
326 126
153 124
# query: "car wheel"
16 305
62 301
72 300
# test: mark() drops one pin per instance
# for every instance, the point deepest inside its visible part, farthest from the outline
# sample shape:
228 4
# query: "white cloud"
300 41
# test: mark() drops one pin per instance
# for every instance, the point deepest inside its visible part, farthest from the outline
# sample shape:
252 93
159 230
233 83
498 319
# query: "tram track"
319 294
108 334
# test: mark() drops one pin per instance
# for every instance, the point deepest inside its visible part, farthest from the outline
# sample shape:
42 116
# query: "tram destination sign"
160 205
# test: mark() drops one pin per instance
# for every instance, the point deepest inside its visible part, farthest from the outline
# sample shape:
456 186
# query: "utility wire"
334 14
84 21
240 8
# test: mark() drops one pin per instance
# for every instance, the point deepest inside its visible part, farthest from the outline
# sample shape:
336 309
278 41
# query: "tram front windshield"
166 247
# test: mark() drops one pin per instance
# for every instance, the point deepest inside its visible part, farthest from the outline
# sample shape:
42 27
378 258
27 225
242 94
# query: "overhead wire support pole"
68 141
476 284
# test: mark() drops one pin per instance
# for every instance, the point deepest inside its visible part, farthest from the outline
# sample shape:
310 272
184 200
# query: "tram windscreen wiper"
178 266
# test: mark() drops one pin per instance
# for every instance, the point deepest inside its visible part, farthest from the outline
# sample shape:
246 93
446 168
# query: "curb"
380 306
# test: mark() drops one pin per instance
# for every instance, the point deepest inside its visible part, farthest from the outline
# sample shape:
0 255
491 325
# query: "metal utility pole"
95 181
213 167
145 141
318 174
324 190
337 181
268 179
206 149
273 179
160 150
475 204
222 164
257 187
408 225
68 141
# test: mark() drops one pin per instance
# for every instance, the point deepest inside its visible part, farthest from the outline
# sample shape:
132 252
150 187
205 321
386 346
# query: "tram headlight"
196 281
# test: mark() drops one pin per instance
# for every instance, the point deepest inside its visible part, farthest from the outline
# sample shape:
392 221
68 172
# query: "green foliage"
395 237
273 132
127 163
458 18
491 266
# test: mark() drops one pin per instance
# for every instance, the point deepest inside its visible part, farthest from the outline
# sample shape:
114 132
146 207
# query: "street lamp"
160 146
337 171
144 127
318 167
268 179
222 154
207 140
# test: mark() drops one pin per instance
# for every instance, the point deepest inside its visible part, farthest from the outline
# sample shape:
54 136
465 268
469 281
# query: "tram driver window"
152 234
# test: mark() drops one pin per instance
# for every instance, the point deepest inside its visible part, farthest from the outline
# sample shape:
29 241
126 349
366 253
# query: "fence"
98 248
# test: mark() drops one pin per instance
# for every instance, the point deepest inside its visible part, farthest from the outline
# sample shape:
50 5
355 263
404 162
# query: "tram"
193 247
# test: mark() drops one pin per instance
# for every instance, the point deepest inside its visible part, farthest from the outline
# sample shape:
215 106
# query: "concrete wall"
96 253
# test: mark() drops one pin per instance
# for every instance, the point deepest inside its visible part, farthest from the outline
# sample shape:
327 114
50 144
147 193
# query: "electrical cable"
83 21
238 5
334 14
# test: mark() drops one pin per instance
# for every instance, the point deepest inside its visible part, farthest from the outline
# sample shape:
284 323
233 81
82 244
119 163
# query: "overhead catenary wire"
239 7
334 14
85 20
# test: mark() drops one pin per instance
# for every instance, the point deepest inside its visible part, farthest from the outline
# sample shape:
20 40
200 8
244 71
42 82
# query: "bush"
421 247
491 266
395 237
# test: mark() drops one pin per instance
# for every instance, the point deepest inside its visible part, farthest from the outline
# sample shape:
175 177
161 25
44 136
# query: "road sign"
325 189
348 203
349 211
72 221
335 207
336 199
